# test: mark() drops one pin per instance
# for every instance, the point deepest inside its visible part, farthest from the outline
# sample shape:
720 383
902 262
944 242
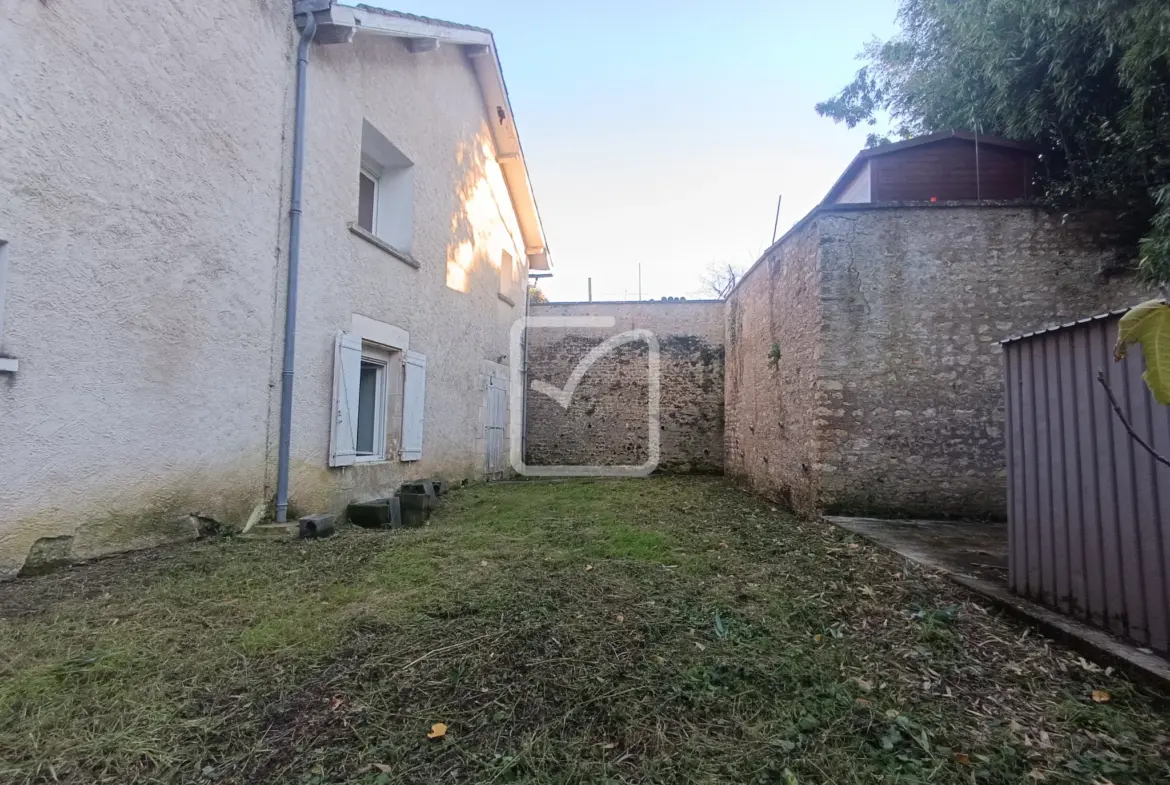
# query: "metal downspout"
294 258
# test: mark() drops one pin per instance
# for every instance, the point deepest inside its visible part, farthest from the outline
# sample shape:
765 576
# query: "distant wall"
606 421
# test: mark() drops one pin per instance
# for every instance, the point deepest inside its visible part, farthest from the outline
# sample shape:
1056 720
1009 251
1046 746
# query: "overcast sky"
661 132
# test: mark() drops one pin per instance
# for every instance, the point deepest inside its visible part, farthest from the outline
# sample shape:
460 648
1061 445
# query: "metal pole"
978 185
590 290
639 282
294 259
776 223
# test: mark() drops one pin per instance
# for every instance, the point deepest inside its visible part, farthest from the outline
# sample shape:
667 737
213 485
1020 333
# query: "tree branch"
1129 428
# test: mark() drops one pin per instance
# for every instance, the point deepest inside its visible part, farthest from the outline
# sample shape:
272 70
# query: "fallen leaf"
961 758
1037 775
382 767
866 590
659 659
700 646
861 701
621 617
723 545
483 563
818 637
865 686
1100 696
438 731
588 568
335 703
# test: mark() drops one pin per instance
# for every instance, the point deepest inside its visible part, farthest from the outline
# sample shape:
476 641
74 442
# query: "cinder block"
316 526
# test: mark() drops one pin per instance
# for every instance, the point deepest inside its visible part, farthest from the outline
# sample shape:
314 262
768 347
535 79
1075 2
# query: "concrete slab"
974 555
975 548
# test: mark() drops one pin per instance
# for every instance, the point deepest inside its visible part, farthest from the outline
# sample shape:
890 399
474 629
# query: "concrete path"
974 555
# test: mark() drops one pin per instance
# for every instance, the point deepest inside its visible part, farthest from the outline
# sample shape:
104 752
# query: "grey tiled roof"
416 17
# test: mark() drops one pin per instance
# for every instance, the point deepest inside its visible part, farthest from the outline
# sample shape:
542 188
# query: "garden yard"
673 629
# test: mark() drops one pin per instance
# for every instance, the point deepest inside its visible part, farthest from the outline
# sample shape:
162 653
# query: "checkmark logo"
591 326
565 396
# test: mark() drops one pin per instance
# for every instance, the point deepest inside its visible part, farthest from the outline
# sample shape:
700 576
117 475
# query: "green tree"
1088 81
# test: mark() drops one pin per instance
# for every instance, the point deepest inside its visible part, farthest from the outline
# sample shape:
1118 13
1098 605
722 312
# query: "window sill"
374 240
506 299
8 364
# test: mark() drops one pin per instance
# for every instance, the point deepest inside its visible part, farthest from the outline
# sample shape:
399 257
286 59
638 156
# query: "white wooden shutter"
414 389
347 376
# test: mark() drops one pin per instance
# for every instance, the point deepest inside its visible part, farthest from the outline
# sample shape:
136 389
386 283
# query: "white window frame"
375 178
376 356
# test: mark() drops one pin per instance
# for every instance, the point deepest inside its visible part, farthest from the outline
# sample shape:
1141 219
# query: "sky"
661 133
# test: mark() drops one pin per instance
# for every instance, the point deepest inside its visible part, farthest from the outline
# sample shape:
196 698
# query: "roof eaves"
424 19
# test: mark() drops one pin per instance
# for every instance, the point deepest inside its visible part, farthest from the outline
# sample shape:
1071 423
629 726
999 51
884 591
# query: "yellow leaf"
1100 696
818 637
1148 324
961 757
438 731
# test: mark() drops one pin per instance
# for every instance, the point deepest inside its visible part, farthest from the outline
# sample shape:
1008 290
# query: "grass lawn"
665 630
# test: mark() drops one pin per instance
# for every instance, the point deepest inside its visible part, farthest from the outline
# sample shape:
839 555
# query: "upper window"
507 275
385 190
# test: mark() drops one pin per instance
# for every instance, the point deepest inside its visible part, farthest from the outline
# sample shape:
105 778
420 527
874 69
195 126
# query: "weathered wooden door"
497 413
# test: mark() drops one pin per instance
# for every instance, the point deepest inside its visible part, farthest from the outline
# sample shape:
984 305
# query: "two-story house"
149 166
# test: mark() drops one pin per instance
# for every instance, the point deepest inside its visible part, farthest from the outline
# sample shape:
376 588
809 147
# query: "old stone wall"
773 352
913 303
606 422
864 373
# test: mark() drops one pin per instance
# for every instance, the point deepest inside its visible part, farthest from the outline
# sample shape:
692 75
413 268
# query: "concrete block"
317 526
377 514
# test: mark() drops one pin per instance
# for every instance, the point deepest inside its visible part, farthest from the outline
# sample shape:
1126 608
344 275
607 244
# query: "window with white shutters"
414 388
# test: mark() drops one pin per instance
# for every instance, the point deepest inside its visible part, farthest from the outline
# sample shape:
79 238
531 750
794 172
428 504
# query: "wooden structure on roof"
946 167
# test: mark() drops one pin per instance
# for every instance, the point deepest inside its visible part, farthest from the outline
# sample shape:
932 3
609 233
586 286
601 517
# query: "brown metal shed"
1088 507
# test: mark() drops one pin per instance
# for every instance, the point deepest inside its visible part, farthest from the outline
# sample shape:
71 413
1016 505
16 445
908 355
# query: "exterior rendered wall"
606 421
914 301
772 385
140 194
429 105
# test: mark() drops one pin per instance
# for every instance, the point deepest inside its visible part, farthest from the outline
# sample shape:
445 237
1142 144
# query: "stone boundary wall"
864 373
606 421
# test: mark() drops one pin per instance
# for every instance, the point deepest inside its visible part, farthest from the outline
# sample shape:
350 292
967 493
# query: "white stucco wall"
140 187
429 106
144 160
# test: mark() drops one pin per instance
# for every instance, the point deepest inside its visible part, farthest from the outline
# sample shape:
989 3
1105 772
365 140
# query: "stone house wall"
606 420
904 393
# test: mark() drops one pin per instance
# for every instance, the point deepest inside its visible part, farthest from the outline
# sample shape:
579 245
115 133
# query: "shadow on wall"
480 227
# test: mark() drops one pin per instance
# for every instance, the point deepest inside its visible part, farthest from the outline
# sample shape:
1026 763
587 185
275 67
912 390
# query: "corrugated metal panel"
1088 507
